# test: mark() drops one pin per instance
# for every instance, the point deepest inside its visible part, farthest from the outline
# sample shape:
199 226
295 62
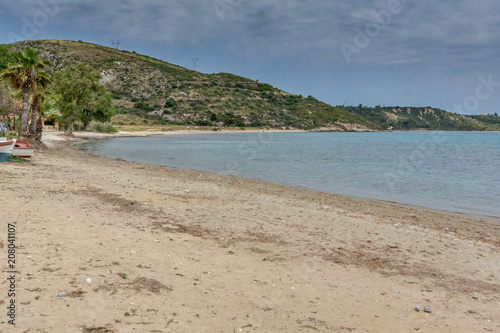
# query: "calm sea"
456 171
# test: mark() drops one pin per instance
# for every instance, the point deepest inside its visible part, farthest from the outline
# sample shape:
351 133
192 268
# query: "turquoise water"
456 171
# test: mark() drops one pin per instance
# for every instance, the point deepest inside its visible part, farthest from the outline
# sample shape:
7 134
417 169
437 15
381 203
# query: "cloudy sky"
441 53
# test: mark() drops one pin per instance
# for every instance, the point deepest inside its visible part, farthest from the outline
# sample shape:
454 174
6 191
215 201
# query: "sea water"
456 171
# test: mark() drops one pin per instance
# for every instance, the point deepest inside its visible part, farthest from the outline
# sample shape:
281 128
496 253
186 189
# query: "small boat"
23 149
6 148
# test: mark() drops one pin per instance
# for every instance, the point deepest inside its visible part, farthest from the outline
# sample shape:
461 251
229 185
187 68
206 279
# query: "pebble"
62 294
417 308
400 317
447 229
475 296
89 280
427 309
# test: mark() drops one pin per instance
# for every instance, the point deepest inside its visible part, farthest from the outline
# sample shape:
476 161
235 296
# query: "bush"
239 121
95 126
265 87
170 103
77 125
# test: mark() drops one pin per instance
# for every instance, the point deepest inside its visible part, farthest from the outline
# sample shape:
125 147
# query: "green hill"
492 119
165 93
168 93
422 118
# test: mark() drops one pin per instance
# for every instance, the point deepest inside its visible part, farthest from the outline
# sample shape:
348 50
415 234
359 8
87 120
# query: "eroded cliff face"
343 128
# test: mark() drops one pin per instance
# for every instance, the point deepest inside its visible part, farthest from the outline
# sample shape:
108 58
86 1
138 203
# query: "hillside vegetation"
157 92
493 119
168 93
422 118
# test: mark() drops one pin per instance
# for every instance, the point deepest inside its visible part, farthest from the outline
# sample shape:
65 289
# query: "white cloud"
428 32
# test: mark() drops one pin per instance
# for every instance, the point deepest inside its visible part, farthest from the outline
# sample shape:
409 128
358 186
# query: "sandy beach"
105 245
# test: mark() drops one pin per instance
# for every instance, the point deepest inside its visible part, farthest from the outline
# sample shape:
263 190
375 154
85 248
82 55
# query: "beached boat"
6 148
23 149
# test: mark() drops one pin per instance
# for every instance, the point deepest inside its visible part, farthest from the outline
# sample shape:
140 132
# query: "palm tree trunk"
23 130
34 114
39 129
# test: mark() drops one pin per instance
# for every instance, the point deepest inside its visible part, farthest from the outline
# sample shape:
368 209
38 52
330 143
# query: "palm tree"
39 81
21 75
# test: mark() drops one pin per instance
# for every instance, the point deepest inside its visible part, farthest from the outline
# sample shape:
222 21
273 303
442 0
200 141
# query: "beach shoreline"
83 137
173 250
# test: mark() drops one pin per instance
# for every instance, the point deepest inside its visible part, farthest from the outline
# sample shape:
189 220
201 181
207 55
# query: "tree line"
76 92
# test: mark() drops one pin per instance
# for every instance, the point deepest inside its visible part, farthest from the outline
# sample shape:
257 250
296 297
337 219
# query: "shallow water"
457 171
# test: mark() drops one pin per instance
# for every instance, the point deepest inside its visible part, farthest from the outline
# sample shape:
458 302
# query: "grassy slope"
167 93
145 86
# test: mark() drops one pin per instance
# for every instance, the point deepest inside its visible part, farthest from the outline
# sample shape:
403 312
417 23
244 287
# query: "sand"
171 250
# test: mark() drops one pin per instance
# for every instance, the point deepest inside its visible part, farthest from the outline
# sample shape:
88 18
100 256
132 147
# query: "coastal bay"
174 250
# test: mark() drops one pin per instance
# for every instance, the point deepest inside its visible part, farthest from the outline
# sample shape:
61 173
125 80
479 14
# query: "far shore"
106 245
51 136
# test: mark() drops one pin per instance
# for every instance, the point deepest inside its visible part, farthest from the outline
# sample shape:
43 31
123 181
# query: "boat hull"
6 148
22 149
4 157
27 153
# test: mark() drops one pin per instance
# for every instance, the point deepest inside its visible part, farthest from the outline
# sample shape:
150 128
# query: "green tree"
227 118
102 113
81 95
6 57
21 74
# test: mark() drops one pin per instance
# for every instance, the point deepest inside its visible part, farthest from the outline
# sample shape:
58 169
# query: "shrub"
265 87
202 122
96 126
77 126
170 103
